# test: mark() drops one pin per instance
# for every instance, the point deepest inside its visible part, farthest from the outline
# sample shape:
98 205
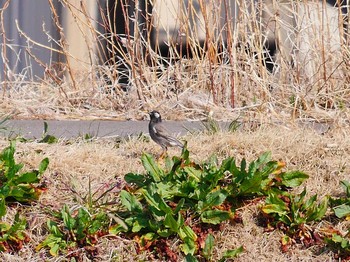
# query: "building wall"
32 19
29 27
78 25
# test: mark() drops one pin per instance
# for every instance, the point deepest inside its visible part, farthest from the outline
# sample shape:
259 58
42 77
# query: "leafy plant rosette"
340 242
292 214
184 197
16 186
79 230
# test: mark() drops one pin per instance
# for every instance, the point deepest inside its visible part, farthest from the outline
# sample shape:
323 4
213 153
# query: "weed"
234 125
12 236
16 186
74 230
2 122
335 240
291 214
210 125
87 137
341 206
340 244
46 137
172 201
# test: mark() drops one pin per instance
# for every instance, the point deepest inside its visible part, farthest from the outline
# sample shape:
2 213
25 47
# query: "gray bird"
160 134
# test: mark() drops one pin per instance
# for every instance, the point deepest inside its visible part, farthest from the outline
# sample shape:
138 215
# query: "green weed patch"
171 201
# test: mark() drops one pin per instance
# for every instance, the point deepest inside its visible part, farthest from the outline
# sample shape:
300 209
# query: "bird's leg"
164 153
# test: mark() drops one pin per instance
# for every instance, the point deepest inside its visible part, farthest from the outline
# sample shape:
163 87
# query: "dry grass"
325 157
226 83
226 76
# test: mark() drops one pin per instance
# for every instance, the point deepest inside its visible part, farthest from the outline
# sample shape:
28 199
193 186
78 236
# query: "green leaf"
193 172
2 205
188 246
165 232
117 228
97 222
310 202
212 199
208 246
83 221
346 186
250 185
190 258
232 253
151 167
264 158
269 168
46 128
30 177
273 204
322 209
215 216
4 226
53 228
149 236
186 231
155 201
68 220
49 139
139 222
168 189
180 220
275 208
55 243
16 192
317 211
19 224
171 223
337 238
8 155
179 206
137 179
43 165
185 154
285 240
293 178
340 243
342 211
130 202
228 164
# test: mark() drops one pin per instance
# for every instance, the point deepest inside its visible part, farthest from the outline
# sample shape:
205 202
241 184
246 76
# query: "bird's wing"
161 131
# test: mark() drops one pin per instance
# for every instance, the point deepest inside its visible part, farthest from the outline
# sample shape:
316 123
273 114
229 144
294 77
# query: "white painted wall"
307 35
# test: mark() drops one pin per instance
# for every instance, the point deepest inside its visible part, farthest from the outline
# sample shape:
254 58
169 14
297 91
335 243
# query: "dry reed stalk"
4 46
228 72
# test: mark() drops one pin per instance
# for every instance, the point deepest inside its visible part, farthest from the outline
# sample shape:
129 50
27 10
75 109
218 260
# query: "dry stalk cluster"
279 59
